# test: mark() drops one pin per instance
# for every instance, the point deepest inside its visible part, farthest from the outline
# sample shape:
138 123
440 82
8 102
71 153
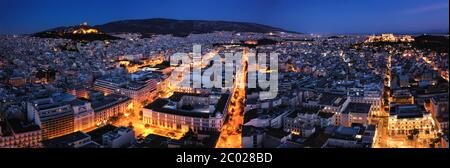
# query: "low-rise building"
252 137
333 103
369 138
354 113
118 138
325 119
302 122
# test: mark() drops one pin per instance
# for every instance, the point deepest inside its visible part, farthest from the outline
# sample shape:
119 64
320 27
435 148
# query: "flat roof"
159 106
251 130
360 108
108 101
64 141
176 97
348 133
317 140
329 99
408 111
307 110
98 133
325 115
111 79
20 127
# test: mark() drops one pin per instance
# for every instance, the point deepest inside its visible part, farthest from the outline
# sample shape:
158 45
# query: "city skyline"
224 83
324 17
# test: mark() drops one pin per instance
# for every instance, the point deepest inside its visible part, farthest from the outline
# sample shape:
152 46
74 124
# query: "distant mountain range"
182 27
148 27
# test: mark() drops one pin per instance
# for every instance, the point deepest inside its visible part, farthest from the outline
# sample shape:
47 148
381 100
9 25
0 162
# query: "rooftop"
54 101
408 111
347 133
18 126
328 99
277 133
114 80
251 114
162 105
108 101
325 115
177 96
317 140
66 141
118 132
98 133
153 141
248 131
360 108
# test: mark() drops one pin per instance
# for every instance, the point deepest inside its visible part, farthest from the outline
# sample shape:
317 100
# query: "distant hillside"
79 33
181 27
149 27
435 43
76 37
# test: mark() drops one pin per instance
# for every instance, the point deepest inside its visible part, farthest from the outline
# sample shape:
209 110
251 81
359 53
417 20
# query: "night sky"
306 16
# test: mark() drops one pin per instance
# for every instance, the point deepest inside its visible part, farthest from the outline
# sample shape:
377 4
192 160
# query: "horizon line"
437 31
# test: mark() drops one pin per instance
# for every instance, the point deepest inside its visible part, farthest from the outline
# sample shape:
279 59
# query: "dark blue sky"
308 16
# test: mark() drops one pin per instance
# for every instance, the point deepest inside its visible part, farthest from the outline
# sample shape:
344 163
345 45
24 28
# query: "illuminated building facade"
109 106
140 91
351 137
79 92
84 29
402 97
404 119
119 137
54 115
368 96
84 117
390 38
74 140
17 81
183 111
355 113
109 85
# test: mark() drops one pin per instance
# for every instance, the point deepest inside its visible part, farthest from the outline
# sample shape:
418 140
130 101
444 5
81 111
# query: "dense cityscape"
346 91
258 74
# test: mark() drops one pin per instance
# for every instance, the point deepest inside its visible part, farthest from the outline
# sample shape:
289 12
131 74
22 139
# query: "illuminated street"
230 136
444 73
